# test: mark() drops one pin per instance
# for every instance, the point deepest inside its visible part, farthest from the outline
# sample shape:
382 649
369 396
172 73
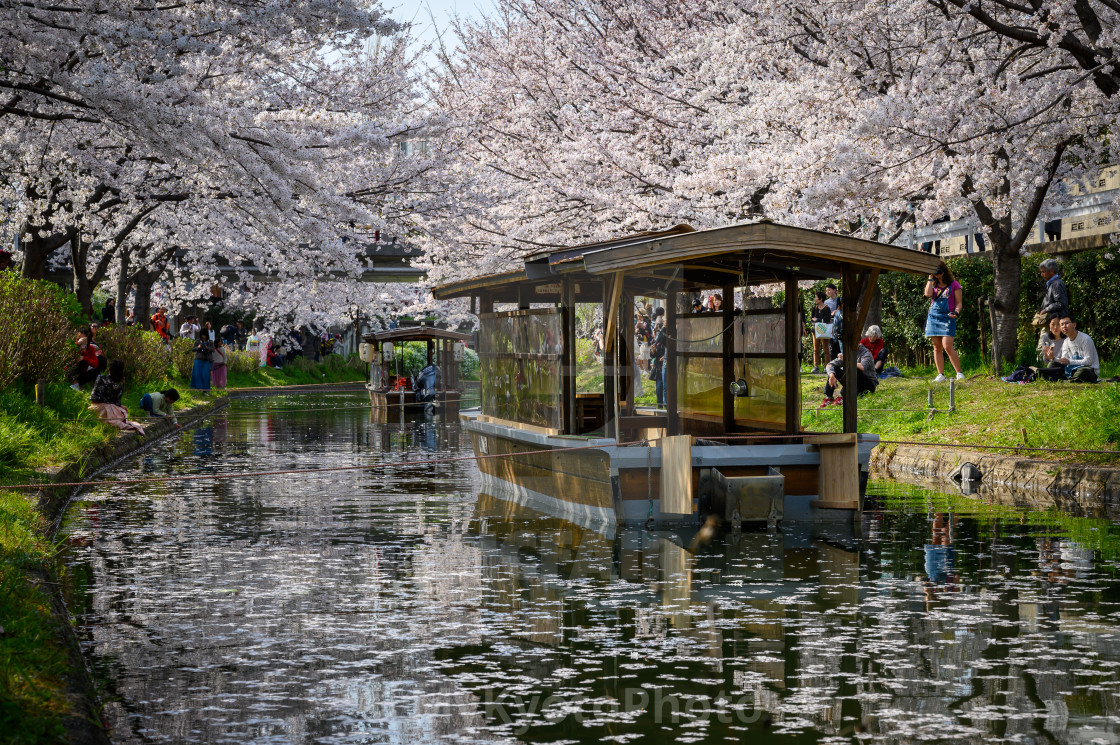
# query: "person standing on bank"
218 359
1055 304
821 313
200 375
945 300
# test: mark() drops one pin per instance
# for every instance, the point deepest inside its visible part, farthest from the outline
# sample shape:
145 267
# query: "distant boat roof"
416 333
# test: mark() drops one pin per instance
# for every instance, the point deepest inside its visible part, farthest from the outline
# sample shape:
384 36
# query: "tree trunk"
142 303
875 310
1006 274
123 285
38 248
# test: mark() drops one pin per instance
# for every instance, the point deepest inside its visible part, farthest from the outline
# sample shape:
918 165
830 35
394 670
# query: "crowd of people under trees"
211 347
1064 353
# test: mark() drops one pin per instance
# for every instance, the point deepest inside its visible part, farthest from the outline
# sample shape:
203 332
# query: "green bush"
36 336
182 356
242 362
145 356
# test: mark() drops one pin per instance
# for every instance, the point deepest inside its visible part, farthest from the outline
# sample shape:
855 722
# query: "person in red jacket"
878 348
160 324
89 364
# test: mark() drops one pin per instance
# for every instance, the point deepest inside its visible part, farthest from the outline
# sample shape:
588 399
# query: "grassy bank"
988 412
33 663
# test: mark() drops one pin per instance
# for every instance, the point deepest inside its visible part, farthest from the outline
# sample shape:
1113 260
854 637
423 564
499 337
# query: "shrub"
182 356
144 354
36 335
242 362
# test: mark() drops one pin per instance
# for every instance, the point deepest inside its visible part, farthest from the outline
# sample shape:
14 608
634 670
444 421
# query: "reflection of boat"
729 439
435 386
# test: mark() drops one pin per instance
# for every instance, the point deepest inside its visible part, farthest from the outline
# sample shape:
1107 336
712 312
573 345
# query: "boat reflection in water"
908 626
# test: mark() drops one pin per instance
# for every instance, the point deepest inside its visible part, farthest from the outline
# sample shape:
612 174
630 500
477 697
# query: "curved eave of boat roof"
763 235
683 243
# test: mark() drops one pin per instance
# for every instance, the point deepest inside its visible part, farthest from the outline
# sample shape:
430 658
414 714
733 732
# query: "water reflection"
399 605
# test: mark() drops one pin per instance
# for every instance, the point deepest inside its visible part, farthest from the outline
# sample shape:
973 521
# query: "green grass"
33 663
334 369
988 412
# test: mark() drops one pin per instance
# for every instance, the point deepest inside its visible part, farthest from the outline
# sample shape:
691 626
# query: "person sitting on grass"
875 344
1052 337
865 379
1078 355
161 404
105 398
90 363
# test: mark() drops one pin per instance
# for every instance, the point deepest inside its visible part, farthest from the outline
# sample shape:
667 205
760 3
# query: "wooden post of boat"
838 480
626 352
674 422
849 340
676 475
793 361
611 355
568 362
728 294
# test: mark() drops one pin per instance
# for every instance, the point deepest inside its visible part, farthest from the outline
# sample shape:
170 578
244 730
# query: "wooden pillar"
568 359
486 303
626 350
793 360
674 423
524 297
849 340
431 348
610 345
728 358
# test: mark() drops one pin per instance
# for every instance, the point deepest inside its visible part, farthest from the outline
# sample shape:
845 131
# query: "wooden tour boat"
393 388
729 440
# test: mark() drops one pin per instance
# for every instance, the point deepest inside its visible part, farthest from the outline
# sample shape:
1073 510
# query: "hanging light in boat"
366 352
459 349
740 389
387 351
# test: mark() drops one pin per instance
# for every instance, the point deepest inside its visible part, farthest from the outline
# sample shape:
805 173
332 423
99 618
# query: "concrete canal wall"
1028 483
83 725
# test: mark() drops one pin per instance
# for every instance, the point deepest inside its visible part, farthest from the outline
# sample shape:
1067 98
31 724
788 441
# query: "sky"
432 17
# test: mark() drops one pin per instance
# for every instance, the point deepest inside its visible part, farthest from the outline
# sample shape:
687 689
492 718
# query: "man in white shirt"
1079 354
186 331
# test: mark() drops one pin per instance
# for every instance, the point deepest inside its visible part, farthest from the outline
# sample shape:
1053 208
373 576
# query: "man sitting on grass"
866 379
1079 354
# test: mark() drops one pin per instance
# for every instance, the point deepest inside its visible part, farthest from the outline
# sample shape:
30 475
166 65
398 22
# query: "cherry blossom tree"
581 119
139 139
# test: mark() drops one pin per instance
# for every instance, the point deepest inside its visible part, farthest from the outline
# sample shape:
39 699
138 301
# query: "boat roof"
416 333
748 254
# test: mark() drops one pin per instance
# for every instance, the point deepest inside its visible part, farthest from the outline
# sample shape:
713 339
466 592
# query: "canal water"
400 605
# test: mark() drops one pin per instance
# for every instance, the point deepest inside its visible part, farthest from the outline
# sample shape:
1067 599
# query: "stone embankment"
1029 483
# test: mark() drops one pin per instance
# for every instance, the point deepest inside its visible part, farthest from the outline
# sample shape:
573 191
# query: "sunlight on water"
399 605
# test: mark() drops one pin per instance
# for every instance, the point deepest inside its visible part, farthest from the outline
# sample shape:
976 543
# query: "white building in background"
1091 213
